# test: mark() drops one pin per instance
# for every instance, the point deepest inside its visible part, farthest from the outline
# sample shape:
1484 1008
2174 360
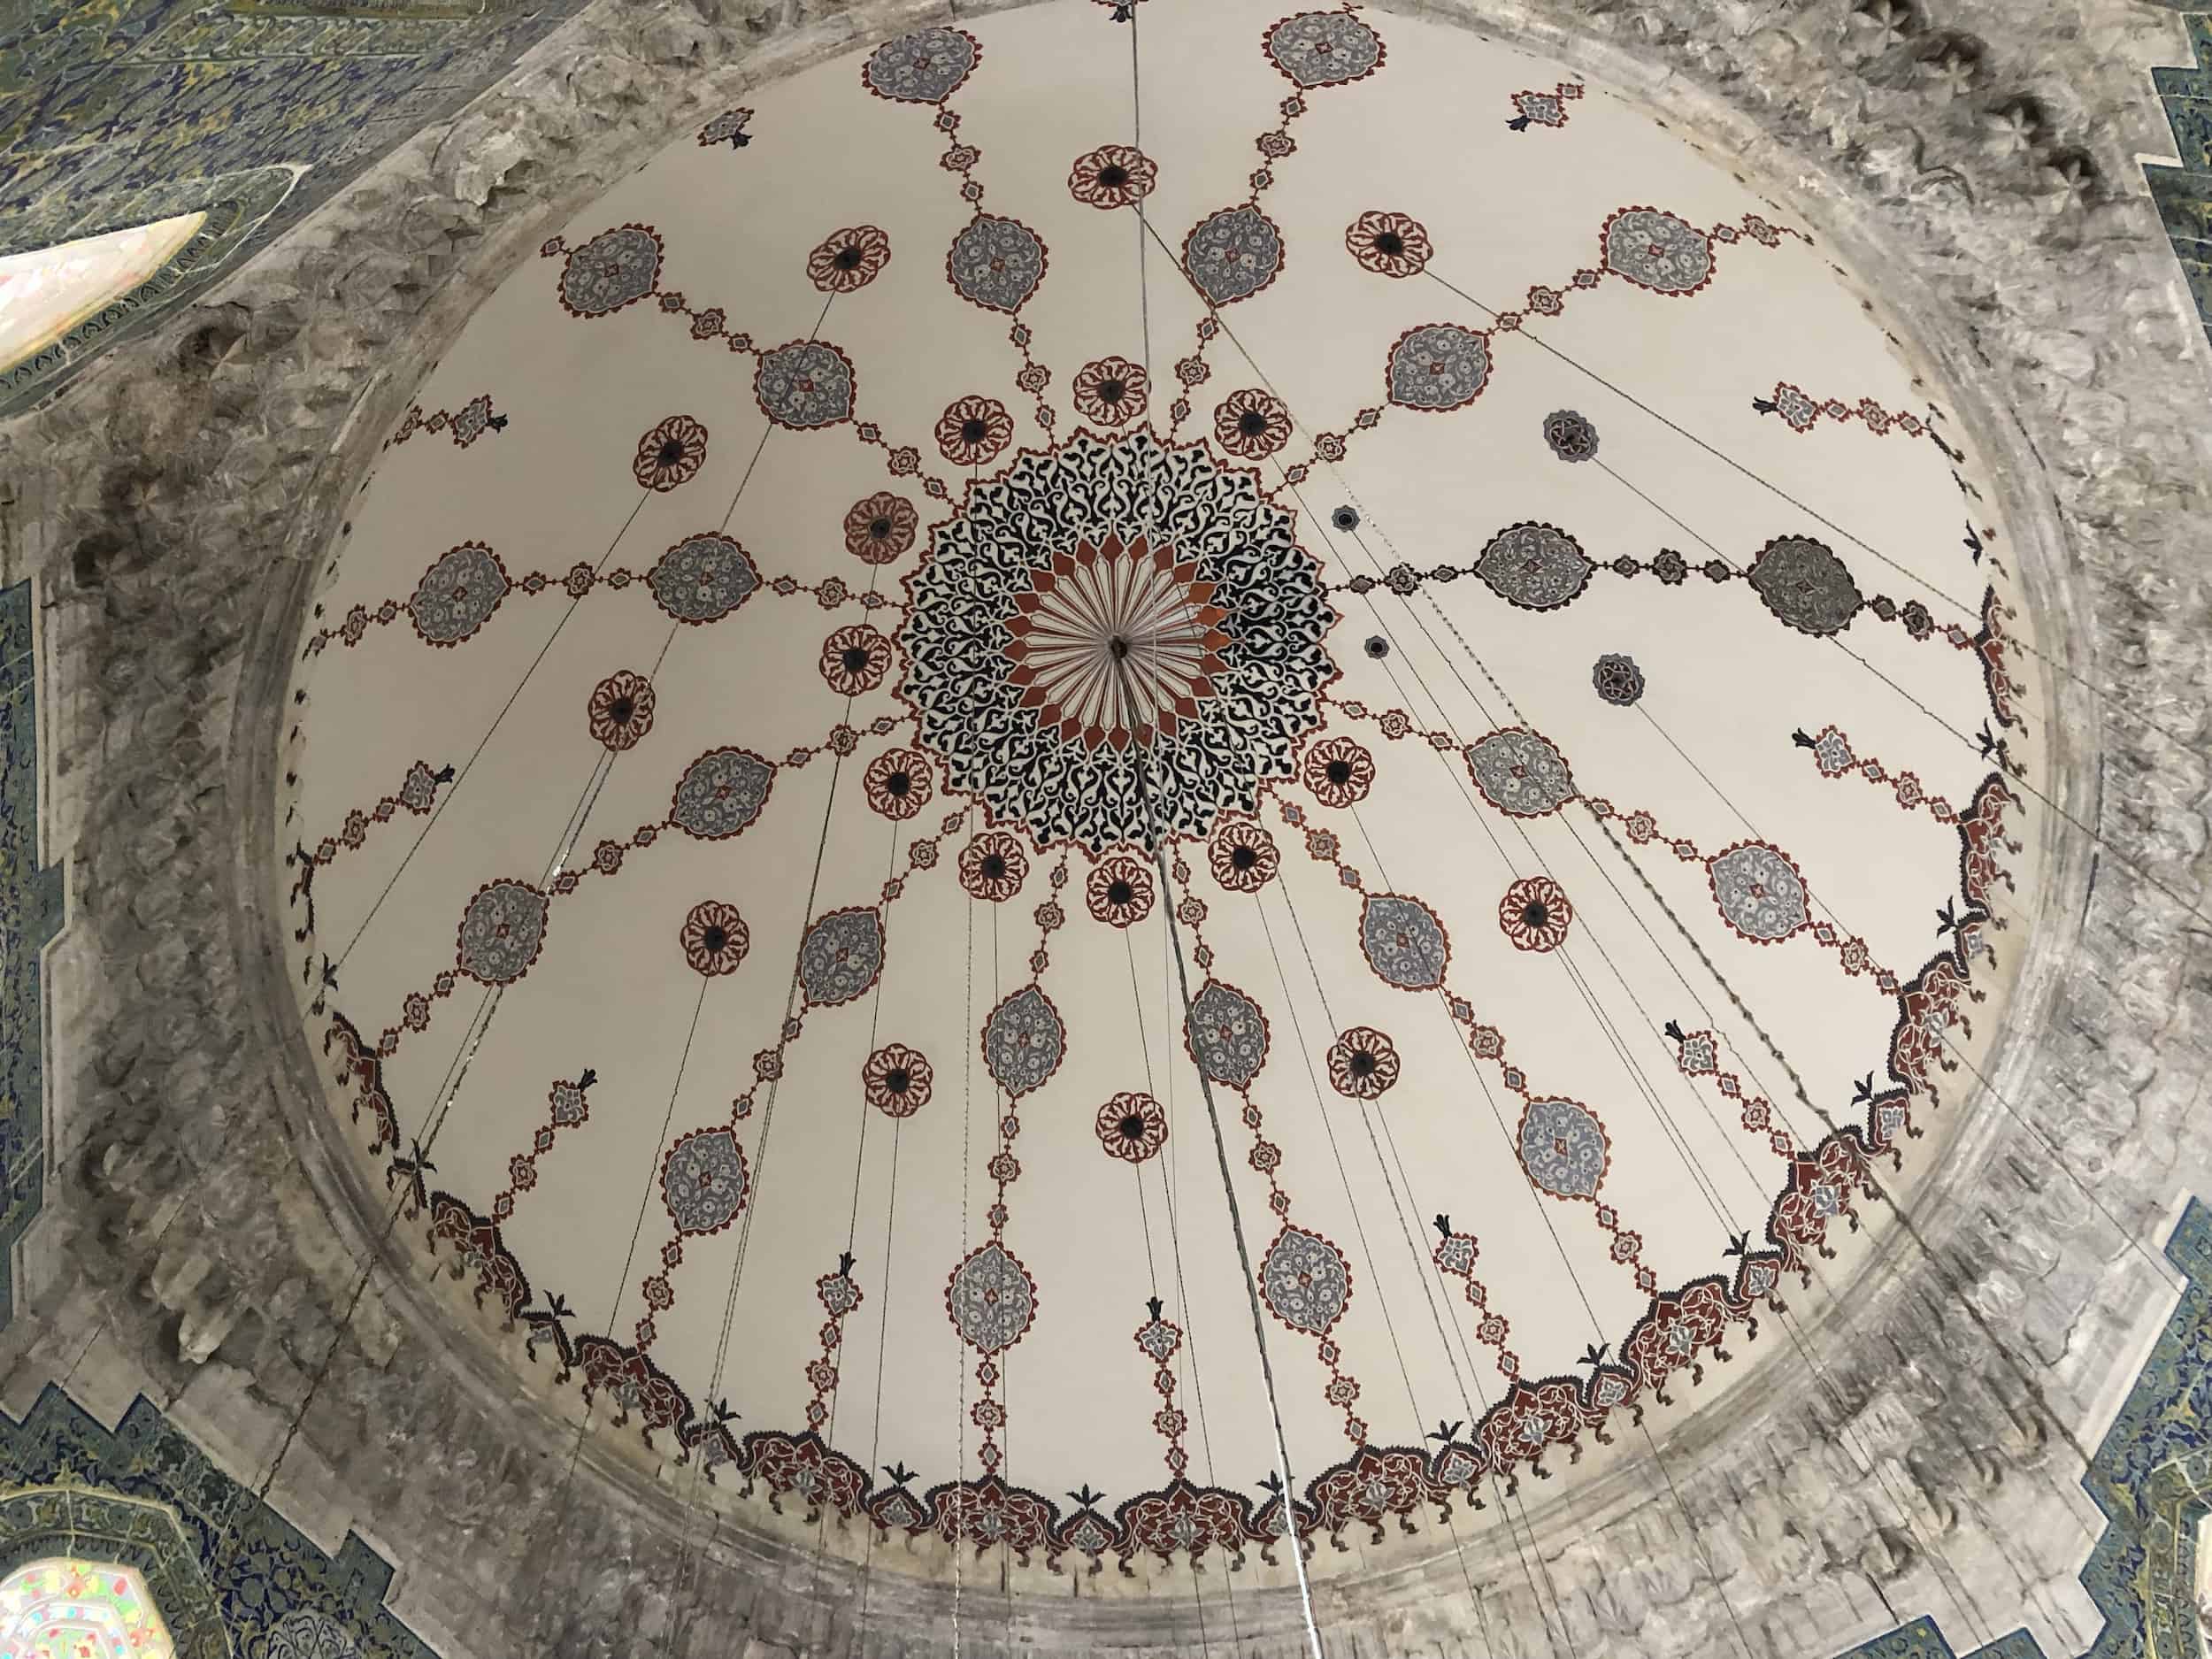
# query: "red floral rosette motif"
855 659
1243 857
1119 892
1389 245
896 1079
1535 914
1132 1128
897 782
1339 771
993 867
1111 390
1363 1064
880 527
621 710
715 938
1113 175
1251 424
849 259
670 453
974 430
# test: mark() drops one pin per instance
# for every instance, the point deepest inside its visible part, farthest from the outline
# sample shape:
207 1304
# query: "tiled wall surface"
2183 194
230 1574
30 915
113 112
2152 1477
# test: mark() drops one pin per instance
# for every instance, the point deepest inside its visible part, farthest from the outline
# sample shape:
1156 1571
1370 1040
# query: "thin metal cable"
1735 1621
1973 612
2019 777
460 778
1903 1506
1169 1187
960 1367
883 1335
1461 1379
1622 1051
472 1039
747 478
1228 1186
1672 1133
1713 1575
1359 1225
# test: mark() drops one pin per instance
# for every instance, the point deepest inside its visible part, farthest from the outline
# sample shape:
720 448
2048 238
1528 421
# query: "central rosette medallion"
1115 633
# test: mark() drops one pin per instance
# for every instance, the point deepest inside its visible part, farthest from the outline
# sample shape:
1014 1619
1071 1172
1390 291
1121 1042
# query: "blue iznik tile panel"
144 1493
113 112
2152 1477
30 915
2183 194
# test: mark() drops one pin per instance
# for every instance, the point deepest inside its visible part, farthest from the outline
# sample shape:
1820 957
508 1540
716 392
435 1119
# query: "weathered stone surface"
1922 1447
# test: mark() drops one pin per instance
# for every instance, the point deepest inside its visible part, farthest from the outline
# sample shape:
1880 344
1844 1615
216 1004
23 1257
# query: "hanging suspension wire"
1420 1273
1712 1574
2186 745
1228 1186
2018 1371
1971 1611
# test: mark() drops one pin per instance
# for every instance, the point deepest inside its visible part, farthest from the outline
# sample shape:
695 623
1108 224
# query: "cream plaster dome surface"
736 714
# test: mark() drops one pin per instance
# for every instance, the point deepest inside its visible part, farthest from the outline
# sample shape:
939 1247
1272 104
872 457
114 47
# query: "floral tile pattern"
30 915
2152 1477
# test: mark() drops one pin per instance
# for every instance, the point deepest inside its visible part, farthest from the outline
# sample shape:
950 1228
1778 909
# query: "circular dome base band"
880 819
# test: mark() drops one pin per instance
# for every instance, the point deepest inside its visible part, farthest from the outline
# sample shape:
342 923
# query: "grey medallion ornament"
1304 1281
1519 772
995 263
1404 941
841 956
1795 407
1656 250
1323 48
1571 435
1804 584
1234 254
1832 753
420 788
1564 1148
1759 890
457 594
703 578
502 932
992 1299
926 66
804 384
1699 1055
1024 1041
1160 1341
615 268
1227 1034
1617 679
703 1181
1437 366
1536 566
570 1106
721 793
306 1633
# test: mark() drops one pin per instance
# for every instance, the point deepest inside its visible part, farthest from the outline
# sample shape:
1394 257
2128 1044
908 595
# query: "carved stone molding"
177 503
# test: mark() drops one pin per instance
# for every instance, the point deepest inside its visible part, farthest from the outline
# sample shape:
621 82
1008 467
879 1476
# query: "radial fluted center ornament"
1112 642
792 850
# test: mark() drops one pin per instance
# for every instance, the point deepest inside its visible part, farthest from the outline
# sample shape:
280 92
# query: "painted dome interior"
1063 609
